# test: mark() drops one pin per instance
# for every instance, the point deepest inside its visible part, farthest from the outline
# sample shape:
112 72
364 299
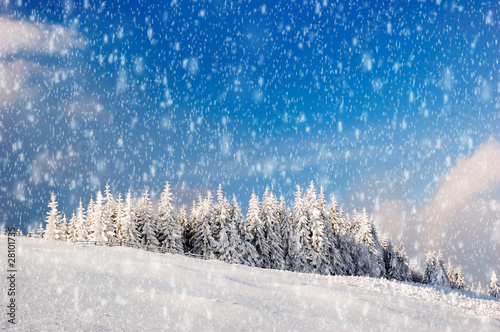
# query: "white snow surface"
79 287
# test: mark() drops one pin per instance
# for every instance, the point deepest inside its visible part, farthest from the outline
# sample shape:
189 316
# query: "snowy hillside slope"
68 286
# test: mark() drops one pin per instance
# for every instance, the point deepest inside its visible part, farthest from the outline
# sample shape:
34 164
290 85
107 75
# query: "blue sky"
376 101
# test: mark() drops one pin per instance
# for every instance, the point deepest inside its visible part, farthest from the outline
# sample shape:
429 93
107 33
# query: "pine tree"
301 246
390 260
458 278
81 232
128 230
185 224
336 218
340 256
169 228
53 221
416 275
403 263
63 226
98 229
110 215
367 235
317 240
435 272
72 228
271 230
203 242
40 230
247 252
287 232
189 226
494 289
224 231
256 229
145 221
89 218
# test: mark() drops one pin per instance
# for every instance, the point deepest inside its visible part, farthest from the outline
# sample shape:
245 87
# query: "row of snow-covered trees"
311 237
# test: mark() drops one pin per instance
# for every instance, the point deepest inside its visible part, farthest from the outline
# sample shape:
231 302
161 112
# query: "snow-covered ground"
74 287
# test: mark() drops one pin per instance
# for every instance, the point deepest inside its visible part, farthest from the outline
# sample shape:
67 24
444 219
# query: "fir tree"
145 221
367 235
185 225
247 252
81 233
494 289
390 260
403 263
110 215
203 243
169 228
435 272
287 232
270 227
89 218
318 241
40 230
416 275
63 226
301 246
128 229
72 228
256 229
98 229
53 221
458 278
227 238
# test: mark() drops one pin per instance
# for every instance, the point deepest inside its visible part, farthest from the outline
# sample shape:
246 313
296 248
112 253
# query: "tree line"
311 236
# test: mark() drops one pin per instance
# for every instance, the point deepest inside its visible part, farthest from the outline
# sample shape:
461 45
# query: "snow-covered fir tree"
117 224
40 230
53 221
301 247
128 228
318 241
494 289
224 230
101 227
203 242
89 217
145 221
416 274
247 253
367 235
110 214
390 259
63 226
81 232
435 272
169 228
287 232
403 263
273 258
185 226
72 228
256 228
458 278
339 242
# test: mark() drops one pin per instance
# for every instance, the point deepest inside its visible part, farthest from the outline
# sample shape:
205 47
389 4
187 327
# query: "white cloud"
462 218
21 36
469 180
19 70
13 80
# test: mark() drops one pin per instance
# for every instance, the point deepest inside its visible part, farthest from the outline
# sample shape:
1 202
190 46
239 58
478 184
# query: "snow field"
74 287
